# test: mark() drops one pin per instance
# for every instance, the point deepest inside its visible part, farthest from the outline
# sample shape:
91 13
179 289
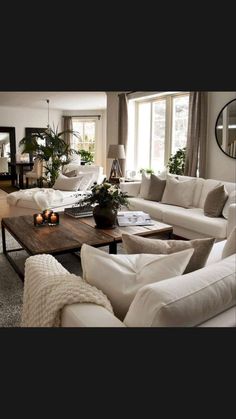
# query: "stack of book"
79 211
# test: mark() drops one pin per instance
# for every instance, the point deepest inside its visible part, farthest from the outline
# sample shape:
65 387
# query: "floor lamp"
116 152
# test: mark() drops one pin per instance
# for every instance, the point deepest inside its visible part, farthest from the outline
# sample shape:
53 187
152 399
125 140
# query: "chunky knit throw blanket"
49 287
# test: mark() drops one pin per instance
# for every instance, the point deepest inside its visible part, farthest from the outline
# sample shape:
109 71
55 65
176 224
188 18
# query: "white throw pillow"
186 300
121 276
87 180
65 183
231 200
178 192
145 185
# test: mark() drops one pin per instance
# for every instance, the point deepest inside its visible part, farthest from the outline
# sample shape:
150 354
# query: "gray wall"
219 166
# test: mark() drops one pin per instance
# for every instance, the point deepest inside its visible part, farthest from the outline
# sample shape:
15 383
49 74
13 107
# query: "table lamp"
116 151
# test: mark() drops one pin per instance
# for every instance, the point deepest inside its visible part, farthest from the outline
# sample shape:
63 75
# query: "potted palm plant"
51 149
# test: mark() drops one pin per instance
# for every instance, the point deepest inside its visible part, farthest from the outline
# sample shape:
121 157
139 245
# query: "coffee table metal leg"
113 248
3 240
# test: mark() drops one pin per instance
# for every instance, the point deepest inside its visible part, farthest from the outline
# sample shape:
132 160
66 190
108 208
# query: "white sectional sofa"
208 293
190 223
26 205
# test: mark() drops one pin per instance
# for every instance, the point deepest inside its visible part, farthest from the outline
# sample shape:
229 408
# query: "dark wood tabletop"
69 235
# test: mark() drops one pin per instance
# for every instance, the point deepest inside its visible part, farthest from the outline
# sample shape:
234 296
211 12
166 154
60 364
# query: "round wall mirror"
225 129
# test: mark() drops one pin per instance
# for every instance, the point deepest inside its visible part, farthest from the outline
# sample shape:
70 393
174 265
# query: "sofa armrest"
231 219
131 188
88 315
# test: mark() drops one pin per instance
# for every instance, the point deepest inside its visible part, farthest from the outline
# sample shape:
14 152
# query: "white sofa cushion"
178 192
145 185
65 183
231 200
193 219
197 190
121 276
186 300
84 169
154 209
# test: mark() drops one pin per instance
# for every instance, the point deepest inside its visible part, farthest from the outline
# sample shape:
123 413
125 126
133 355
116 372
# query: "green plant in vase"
107 199
49 147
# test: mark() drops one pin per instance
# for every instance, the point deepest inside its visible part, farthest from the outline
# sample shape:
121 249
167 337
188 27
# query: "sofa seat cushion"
154 209
194 219
186 300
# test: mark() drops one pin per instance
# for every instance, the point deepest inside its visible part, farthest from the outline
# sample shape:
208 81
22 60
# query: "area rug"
6 186
11 286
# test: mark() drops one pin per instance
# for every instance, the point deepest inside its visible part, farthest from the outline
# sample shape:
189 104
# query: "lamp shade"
116 151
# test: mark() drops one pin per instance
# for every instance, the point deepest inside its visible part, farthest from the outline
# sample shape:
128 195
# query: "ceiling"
58 100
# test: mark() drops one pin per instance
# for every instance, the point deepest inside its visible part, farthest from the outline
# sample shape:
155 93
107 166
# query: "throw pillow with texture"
202 247
145 185
156 188
65 183
231 200
215 202
230 245
179 193
121 276
185 301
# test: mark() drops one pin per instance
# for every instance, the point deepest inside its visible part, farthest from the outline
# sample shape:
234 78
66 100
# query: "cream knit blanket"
49 287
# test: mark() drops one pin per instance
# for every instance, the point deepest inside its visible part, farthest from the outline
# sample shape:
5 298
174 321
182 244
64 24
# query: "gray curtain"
123 126
68 126
197 135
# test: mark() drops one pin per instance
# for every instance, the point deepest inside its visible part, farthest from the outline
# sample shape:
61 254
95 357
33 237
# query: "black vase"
105 217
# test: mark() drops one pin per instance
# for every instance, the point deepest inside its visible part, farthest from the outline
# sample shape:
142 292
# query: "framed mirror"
7 153
225 129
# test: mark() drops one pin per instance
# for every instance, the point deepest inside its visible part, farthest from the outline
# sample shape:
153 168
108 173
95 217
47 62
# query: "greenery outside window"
87 130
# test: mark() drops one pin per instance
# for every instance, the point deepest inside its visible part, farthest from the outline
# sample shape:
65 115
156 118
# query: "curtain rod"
82 116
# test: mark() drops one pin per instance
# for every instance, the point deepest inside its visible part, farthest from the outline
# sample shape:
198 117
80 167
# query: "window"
158 127
86 130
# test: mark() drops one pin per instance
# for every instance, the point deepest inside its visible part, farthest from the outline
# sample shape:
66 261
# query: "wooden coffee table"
68 236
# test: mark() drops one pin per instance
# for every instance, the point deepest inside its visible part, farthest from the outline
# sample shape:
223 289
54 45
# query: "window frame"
169 97
88 119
